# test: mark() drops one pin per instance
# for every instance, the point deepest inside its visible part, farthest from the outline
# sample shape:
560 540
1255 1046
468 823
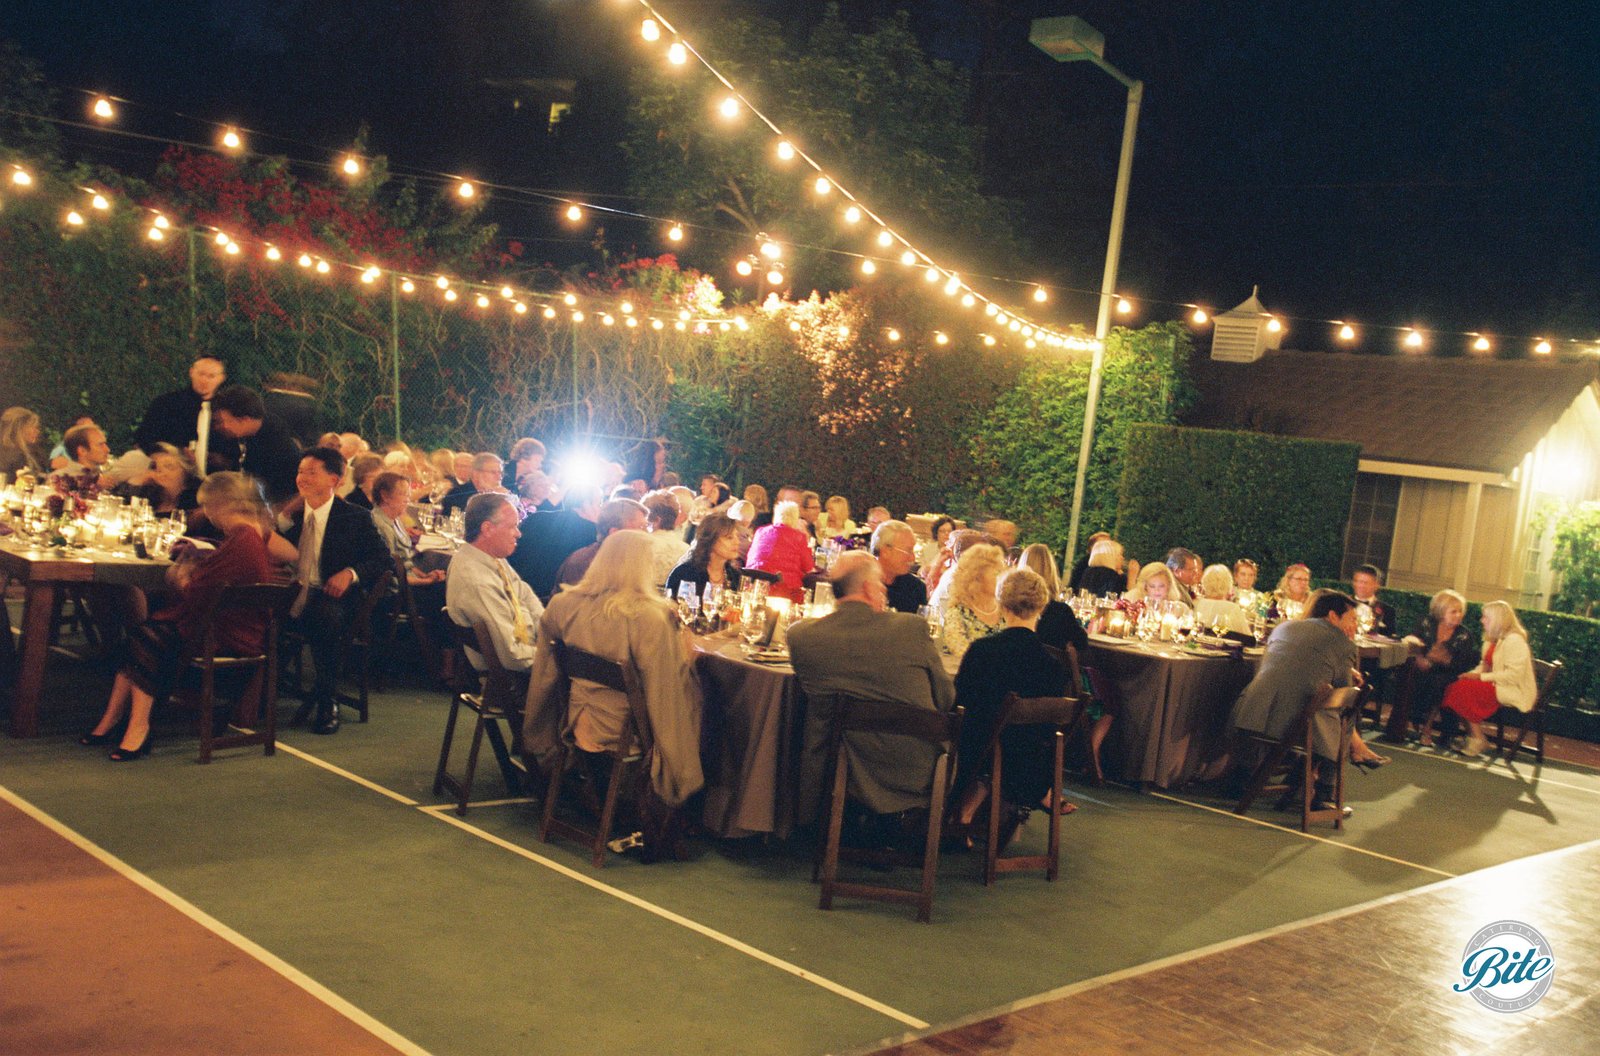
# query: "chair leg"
991 847
930 853
1308 775
830 852
552 792
207 705
608 812
1054 868
1259 777
444 749
472 764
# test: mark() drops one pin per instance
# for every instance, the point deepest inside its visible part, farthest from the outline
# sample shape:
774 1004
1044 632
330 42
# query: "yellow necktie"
520 632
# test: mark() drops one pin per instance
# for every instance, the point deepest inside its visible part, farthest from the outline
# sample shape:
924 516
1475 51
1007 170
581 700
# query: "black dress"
1013 660
1427 687
1059 627
1098 580
690 571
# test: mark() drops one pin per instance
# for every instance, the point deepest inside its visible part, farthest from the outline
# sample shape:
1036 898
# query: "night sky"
1431 163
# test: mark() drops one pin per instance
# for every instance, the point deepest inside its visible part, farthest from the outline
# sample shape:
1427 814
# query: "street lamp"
1074 40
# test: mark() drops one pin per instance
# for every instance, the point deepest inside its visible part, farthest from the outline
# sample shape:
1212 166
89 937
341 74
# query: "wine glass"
930 616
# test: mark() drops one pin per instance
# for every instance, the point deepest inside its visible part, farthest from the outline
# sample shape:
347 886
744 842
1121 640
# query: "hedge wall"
1227 495
1574 640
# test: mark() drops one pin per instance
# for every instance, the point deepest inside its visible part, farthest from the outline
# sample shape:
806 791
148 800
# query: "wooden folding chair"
498 698
1297 742
359 641
273 600
1063 713
405 611
940 729
1546 671
629 756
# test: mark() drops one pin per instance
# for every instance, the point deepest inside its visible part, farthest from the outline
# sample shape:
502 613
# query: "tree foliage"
1576 559
870 107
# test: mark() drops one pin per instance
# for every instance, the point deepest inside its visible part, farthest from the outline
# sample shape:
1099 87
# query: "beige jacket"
1511 673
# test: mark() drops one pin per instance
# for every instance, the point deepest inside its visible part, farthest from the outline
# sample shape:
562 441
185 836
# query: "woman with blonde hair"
835 518
973 611
1444 652
1155 583
1503 678
615 612
1292 596
19 443
1058 625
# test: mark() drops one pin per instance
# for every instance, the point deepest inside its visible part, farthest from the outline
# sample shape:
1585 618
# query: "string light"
450 295
952 287
222 239
231 140
99 202
569 300
21 177
1542 348
351 165
931 275
442 282
771 250
683 315
785 150
232 249
823 185
941 338
1124 306
852 215
868 267
844 333
989 340
577 317
103 109
991 309
323 267
1031 343
520 308
1481 344
155 234
481 301
304 260
885 239
775 277
1040 294
794 325
677 54
1347 332
680 326
627 307
1413 339
743 267
675 232
1274 326
465 190
574 213
657 324
650 30
408 286
370 275
729 107
631 321
1200 317
162 222
507 292
968 300
908 258
549 312
893 335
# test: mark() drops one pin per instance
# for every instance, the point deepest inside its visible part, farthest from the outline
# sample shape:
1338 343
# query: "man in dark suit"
341 553
548 539
182 418
487 470
866 651
267 451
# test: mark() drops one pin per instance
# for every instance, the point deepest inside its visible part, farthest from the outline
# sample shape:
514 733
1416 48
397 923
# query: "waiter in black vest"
183 419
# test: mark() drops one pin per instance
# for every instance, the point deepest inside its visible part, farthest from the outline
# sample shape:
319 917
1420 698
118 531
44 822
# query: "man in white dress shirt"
483 588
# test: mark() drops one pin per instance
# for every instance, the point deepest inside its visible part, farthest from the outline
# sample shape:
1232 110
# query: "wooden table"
43 572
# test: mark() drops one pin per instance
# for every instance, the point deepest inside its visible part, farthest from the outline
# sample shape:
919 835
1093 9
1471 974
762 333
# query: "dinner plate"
769 656
1107 639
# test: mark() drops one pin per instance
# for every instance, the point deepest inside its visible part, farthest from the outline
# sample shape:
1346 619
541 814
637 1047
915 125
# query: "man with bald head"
865 650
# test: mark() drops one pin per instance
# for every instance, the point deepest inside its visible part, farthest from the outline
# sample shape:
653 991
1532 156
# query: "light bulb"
677 54
852 215
465 189
729 107
577 317
608 319
931 275
675 232
741 323
103 109
1347 332
724 327
162 222
631 321
683 314
885 239
1414 339
967 300
549 312
351 165
941 338
1124 306
823 185
680 326
232 249
442 282
657 324
1030 343
323 267
1200 318
21 178
893 334
627 307
304 260
100 202
231 139
155 234
569 300
908 258
952 287
794 325
775 277
1274 326
1027 331
785 150
1002 319
481 301
1543 347
1481 344
771 250
222 239
574 213
743 268
650 30
991 309
450 295
408 286
520 308
988 340
844 333
1014 325
868 268
371 274
1040 295
507 292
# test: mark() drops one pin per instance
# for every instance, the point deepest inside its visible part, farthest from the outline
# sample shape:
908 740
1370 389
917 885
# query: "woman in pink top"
785 548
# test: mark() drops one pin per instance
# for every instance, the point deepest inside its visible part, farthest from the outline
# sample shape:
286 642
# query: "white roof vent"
1243 334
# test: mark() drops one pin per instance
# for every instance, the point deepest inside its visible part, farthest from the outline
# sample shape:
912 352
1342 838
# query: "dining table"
45 573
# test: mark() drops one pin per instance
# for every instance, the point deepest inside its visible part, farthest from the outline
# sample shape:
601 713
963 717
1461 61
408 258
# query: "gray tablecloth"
753 721
1172 722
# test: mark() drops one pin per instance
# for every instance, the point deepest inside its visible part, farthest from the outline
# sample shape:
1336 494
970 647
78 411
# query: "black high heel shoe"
95 740
126 755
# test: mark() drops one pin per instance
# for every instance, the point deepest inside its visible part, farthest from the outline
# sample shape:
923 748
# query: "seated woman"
615 612
756 496
784 547
169 485
1503 678
1013 660
714 559
928 550
20 450
234 503
1058 624
835 518
1105 575
1213 608
1446 653
972 611
1155 584
1293 592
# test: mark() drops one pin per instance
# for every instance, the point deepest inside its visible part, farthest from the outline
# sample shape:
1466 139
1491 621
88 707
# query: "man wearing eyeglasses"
895 546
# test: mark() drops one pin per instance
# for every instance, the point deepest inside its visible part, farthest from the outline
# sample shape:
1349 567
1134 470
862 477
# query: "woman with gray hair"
973 612
1012 660
783 547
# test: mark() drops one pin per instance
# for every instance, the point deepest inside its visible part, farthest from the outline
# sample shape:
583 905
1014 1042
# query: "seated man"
1366 580
862 650
338 549
550 538
1305 658
894 544
615 516
487 471
1004 533
482 588
1186 569
86 448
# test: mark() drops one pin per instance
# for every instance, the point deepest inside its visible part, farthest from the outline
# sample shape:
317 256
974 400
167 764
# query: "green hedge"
1573 640
1227 495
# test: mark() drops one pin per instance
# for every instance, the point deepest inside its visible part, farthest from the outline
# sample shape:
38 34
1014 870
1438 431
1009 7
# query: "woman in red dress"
233 502
1504 678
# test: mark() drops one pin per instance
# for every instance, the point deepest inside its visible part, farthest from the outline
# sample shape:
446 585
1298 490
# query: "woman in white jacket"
1503 678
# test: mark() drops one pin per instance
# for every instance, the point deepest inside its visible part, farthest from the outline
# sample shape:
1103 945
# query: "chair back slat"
1546 671
1038 711
854 715
576 663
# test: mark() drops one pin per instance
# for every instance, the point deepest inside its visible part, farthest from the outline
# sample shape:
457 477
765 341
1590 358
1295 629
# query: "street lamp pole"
1073 40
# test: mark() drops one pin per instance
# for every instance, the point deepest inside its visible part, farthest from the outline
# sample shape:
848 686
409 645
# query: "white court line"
1223 946
1477 763
440 810
1306 835
221 930
347 775
478 803
694 926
